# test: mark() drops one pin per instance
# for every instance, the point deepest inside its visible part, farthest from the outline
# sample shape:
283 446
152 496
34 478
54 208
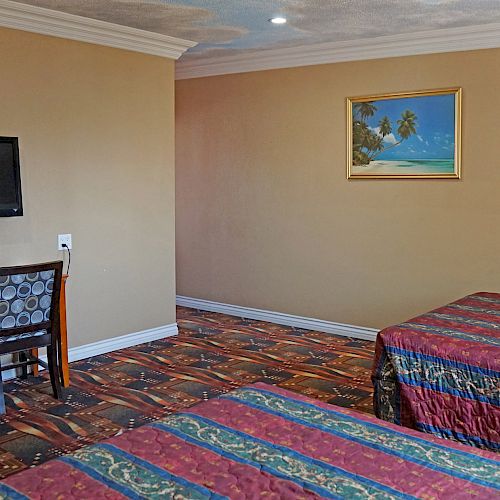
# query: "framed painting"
405 136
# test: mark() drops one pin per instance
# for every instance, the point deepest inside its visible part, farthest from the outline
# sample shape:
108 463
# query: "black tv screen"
10 178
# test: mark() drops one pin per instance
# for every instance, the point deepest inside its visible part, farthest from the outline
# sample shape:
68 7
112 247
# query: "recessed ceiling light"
278 20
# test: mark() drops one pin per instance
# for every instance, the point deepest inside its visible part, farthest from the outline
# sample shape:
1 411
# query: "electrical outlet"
64 239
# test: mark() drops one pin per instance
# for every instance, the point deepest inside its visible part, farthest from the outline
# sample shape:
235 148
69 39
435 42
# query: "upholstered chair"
29 318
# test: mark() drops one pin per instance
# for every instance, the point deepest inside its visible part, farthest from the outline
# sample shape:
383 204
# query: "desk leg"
63 354
63 359
34 368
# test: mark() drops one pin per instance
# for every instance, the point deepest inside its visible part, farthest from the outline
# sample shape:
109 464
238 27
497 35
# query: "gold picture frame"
405 135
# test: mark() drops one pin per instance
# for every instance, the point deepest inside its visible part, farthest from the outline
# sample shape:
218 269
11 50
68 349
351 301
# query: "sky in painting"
435 127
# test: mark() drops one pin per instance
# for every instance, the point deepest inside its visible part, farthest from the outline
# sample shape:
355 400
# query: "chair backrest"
29 297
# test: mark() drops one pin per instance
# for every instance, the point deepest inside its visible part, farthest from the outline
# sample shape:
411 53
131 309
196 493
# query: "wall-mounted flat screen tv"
11 203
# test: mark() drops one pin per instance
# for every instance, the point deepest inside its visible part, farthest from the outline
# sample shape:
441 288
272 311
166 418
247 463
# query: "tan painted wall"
96 129
267 219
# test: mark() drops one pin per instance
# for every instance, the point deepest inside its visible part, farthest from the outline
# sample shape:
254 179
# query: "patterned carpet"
213 354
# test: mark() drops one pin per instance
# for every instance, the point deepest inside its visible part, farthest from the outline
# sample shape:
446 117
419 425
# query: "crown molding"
486 36
50 22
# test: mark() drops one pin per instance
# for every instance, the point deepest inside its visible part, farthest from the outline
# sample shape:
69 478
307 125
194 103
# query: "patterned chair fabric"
25 300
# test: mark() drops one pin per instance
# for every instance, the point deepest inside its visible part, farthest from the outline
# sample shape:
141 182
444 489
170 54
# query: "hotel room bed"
440 372
261 441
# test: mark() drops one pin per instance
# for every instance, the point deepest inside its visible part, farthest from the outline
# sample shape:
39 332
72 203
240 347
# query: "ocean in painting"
406 167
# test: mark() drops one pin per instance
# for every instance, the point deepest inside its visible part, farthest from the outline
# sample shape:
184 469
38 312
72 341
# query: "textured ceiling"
228 27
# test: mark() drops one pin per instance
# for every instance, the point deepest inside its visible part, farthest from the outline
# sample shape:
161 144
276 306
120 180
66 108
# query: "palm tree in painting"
364 109
376 145
407 124
361 135
385 126
368 143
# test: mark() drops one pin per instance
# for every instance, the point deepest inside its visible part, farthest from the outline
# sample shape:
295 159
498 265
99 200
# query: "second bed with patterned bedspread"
440 372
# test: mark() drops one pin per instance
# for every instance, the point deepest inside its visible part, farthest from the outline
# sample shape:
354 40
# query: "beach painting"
405 135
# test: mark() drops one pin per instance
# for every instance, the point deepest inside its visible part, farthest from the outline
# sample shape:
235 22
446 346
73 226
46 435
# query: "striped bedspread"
264 442
440 372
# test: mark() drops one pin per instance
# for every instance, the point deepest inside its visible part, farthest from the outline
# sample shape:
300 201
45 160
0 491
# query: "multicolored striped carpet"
212 355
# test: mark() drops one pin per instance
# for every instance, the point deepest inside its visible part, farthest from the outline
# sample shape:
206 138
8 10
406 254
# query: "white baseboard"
113 344
357 332
122 342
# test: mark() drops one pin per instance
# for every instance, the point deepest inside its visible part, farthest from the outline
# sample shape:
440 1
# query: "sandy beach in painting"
405 167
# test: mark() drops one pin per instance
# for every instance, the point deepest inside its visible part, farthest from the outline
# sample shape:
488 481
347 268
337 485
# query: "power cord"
69 257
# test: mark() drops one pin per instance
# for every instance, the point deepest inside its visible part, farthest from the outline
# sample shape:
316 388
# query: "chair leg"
59 363
2 399
24 368
53 371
